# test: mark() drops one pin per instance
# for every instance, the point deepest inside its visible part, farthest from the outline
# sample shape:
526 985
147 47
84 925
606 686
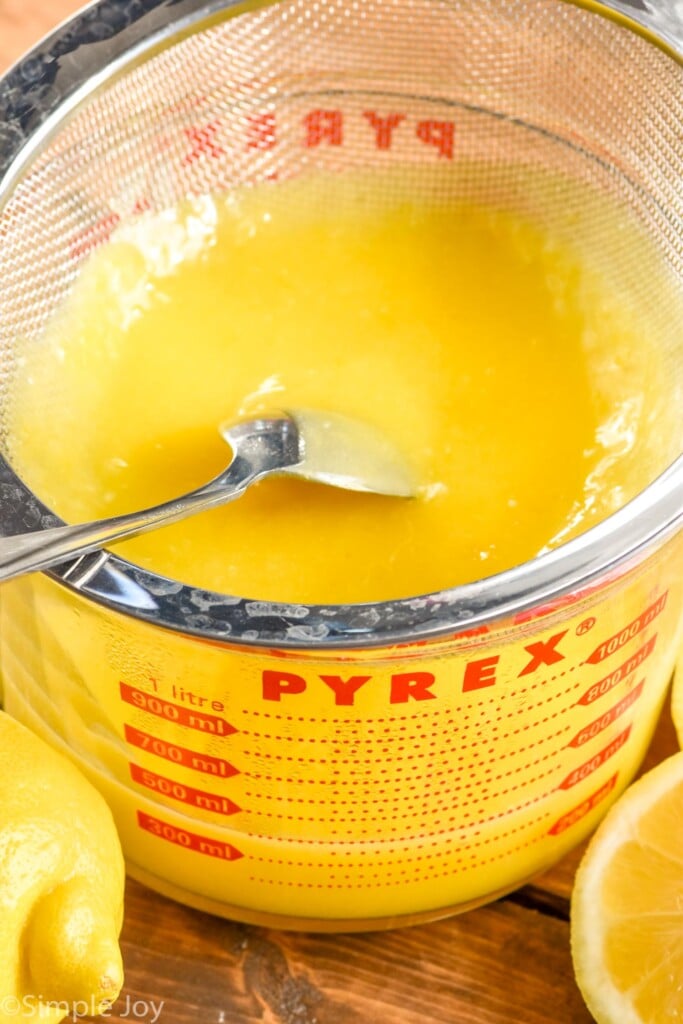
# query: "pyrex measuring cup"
366 765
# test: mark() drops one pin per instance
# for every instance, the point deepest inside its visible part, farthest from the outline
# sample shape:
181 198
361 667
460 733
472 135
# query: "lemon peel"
61 885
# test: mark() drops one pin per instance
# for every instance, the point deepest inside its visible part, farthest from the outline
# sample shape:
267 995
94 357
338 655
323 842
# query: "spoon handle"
32 551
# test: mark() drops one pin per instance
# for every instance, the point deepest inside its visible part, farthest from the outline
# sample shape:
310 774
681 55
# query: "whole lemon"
61 885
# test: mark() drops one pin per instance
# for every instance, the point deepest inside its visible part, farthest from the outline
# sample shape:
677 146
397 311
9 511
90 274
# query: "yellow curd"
479 346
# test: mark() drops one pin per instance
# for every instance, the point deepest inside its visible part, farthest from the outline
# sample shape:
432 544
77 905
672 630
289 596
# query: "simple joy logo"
37 1008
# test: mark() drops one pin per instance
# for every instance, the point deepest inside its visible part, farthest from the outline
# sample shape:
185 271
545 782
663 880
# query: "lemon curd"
482 348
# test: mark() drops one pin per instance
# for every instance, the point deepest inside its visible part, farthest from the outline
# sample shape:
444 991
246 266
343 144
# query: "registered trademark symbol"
584 626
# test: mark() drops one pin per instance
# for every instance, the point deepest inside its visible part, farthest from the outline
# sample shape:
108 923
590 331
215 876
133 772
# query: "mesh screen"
448 98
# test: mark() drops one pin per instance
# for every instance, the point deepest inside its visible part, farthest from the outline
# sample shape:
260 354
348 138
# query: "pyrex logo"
517 661
413 685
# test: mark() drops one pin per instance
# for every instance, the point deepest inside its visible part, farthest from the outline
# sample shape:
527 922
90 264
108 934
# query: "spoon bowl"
318 446
329 448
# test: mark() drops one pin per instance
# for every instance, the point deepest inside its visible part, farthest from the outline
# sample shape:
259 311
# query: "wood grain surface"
506 963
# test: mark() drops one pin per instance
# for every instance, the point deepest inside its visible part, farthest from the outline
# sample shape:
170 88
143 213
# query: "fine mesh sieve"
459 100
488 89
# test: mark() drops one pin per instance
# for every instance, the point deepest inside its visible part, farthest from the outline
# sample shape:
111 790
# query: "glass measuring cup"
368 765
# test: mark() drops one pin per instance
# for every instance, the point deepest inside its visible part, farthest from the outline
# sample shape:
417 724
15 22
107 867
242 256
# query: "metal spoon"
319 446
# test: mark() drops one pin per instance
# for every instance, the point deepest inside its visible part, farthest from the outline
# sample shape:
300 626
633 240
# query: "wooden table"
507 963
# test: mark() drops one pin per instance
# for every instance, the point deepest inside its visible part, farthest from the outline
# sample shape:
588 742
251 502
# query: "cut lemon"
627 905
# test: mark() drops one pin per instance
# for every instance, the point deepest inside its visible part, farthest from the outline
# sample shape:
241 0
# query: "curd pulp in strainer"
520 388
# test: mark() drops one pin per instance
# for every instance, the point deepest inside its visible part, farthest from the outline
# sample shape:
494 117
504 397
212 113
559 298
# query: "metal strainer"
133 106
233 785
296 86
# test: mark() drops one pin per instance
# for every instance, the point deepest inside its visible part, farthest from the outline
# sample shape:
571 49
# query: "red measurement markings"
178 713
462 634
199 798
558 602
93 236
584 808
628 632
603 686
597 761
180 755
261 131
142 205
596 727
188 840
202 139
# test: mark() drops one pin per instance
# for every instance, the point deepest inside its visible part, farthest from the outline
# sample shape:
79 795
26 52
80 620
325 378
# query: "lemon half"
627 905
